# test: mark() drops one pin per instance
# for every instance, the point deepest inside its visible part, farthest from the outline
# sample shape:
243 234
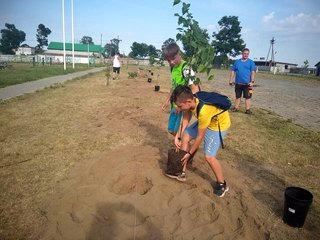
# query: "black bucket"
296 206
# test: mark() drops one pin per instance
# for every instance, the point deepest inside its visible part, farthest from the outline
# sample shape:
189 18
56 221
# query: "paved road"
28 87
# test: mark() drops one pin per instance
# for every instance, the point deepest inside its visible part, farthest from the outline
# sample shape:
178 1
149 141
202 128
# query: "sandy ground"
121 193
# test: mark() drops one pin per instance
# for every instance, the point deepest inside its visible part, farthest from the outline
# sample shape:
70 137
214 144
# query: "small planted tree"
200 53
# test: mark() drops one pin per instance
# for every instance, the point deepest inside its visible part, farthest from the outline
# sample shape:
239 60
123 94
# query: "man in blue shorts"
206 129
243 70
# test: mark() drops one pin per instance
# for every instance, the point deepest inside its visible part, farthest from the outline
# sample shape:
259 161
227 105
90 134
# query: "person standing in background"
243 70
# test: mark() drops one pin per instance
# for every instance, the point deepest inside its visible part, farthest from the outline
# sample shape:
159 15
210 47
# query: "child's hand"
163 107
177 142
185 159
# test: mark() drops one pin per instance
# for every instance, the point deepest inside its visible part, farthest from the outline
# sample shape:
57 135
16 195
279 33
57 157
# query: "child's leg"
174 122
190 133
215 167
211 146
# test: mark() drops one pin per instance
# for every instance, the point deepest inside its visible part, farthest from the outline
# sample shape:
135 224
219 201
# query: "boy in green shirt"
178 72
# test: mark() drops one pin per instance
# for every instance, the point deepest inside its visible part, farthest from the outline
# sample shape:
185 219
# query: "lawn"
20 73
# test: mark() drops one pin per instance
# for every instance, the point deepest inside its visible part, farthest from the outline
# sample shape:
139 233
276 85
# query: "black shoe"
248 111
233 109
179 176
220 189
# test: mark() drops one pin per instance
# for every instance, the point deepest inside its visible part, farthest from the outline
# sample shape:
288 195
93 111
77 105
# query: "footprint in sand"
127 184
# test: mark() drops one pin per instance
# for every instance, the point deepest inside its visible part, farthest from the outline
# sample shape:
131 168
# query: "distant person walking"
116 65
243 70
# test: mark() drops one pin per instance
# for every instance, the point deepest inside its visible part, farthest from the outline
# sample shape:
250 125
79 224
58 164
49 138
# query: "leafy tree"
306 64
86 40
139 50
167 42
228 41
199 52
11 38
42 35
112 48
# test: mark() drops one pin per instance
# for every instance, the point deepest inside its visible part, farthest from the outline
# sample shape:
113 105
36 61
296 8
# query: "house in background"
317 69
275 66
83 53
25 49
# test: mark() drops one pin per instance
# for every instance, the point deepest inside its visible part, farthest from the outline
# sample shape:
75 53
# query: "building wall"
25 51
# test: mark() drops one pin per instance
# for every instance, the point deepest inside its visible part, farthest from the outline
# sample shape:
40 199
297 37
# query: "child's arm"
195 145
166 102
183 125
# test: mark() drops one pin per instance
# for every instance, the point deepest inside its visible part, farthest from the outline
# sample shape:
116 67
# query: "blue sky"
295 24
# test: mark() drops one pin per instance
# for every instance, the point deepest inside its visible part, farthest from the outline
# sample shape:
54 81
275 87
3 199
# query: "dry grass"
43 135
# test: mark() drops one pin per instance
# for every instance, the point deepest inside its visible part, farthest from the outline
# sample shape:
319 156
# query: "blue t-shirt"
243 70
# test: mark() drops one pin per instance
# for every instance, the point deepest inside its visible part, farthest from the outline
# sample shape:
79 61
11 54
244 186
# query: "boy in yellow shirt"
204 129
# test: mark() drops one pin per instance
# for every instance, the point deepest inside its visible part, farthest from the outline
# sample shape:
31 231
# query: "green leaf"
193 44
210 77
175 2
181 20
178 36
201 68
185 8
177 15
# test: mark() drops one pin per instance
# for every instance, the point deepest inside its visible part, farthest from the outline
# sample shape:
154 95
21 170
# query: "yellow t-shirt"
205 119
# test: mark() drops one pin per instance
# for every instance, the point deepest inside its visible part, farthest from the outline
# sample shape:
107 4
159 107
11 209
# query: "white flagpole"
64 37
72 35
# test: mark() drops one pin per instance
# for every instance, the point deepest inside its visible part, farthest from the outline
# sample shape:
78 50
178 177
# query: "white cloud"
299 23
268 18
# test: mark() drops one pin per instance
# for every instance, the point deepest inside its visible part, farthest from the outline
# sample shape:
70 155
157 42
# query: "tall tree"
42 37
86 40
11 38
139 50
115 42
228 42
167 42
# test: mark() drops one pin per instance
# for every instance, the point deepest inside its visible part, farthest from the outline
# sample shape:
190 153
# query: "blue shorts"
174 121
211 139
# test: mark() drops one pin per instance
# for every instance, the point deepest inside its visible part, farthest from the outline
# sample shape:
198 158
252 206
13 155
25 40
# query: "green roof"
77 47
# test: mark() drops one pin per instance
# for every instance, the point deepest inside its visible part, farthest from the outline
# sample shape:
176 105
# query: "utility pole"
272 61
100 48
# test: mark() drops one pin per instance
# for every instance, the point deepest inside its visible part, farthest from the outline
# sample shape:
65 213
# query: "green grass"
20 73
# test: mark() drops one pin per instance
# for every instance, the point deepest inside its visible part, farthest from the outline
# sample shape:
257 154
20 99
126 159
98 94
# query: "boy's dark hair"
245 49
181 93
171 50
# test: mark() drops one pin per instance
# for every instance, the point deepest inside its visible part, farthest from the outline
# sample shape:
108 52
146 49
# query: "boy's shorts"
242 88
211 139
116 69
174 121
